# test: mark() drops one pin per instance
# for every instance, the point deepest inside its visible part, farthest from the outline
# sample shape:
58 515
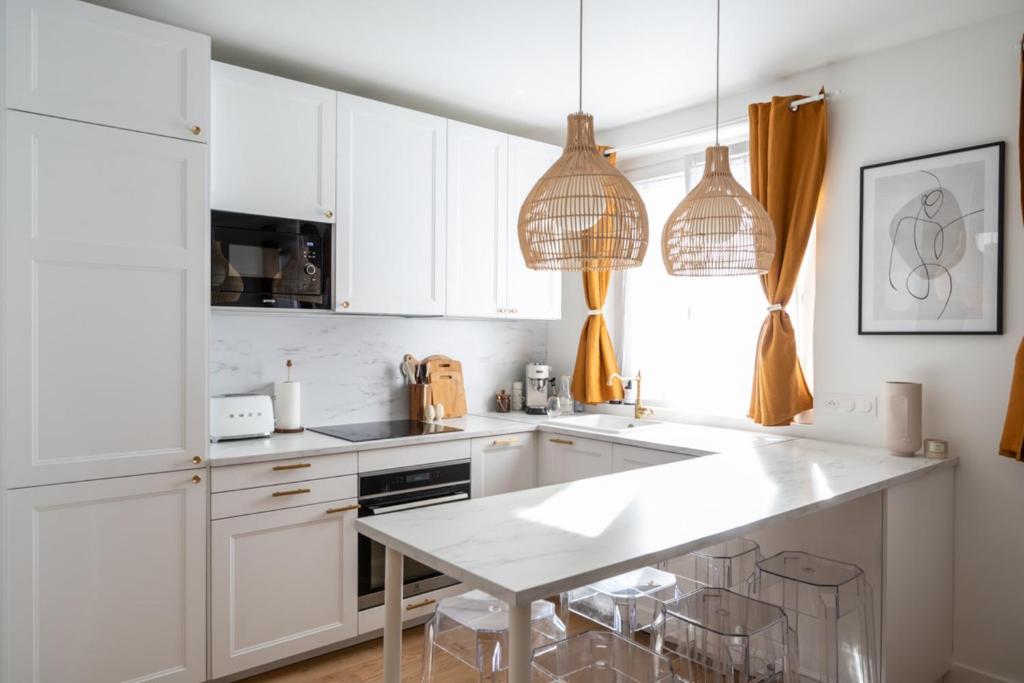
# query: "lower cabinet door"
503 463
282 583
633 457
569 458
106 581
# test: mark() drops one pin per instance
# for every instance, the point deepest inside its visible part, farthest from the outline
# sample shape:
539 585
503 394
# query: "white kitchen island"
536 543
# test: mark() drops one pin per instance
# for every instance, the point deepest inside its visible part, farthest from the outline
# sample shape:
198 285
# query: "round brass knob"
197 459
344 304
515 310
196 130
196 479
328 213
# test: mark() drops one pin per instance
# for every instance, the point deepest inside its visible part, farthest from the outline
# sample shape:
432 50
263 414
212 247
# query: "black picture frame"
997 328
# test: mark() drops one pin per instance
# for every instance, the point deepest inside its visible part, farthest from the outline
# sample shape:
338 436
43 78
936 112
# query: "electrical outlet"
848 404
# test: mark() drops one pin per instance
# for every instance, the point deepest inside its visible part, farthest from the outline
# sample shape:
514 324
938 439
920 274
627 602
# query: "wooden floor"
364 663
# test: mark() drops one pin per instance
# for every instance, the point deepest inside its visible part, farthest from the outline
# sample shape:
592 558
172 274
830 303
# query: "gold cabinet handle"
293 492
505 442
197 460
344 304
565 442
196 479
294 466
514 311
421 603
196 130
343 508
328 213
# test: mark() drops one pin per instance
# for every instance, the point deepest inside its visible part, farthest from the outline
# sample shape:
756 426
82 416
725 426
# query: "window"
694 338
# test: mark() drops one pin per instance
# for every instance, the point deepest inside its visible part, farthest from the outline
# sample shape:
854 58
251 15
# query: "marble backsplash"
349 366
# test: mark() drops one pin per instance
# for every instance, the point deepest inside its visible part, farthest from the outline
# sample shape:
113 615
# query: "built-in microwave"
267 262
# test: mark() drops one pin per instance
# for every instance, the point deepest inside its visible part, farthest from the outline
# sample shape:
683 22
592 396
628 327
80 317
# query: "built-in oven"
394 490
266 262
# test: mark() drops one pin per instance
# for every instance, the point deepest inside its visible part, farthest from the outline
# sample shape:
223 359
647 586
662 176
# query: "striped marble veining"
348 366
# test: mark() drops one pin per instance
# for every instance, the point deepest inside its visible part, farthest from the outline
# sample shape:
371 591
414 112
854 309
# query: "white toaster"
240 416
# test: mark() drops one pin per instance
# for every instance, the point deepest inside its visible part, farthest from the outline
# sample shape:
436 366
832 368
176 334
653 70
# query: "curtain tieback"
595 311
774 307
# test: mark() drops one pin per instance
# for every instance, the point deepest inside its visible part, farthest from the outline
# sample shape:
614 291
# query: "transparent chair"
718 636
627 603
600 657
731 564
830 606
473 628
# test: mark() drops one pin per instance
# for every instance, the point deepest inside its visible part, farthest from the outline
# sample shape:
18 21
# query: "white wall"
948 91
348 366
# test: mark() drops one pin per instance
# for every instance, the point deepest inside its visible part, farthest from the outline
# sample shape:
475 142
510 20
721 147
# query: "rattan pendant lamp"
718 228
582 215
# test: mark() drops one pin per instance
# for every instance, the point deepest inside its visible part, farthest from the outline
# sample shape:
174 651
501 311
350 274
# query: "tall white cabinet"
272 146
104 288
390 237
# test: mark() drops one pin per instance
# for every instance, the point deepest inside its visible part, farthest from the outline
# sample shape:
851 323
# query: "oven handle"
385 509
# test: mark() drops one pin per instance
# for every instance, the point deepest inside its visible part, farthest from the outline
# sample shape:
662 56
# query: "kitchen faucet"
639 409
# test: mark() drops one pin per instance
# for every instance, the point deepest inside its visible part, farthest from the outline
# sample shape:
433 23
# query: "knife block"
420 396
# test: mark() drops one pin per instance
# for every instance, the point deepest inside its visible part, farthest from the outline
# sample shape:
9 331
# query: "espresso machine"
538 379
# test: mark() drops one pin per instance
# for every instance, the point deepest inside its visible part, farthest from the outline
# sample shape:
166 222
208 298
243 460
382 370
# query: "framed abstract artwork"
931 244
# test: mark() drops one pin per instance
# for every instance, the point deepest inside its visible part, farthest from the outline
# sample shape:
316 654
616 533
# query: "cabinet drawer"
294 494
409 456
274 472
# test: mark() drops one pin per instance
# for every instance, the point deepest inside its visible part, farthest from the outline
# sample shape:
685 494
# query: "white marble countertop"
307 444
535 543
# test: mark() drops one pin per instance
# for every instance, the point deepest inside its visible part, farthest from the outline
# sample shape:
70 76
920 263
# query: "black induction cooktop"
375 431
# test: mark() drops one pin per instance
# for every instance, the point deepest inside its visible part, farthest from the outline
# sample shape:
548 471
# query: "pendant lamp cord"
581 59
718 40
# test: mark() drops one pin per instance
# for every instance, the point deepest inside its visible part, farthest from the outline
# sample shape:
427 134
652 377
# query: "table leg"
519 638
393 561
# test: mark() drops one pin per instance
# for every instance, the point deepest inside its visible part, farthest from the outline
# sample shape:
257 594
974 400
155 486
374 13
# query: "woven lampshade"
582 214
718 228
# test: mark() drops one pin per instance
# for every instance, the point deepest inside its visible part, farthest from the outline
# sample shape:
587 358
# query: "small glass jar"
554 406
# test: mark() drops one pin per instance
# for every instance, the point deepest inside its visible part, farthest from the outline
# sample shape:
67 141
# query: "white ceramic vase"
901 417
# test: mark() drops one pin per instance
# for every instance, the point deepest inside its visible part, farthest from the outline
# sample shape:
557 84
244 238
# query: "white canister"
287 406
901 417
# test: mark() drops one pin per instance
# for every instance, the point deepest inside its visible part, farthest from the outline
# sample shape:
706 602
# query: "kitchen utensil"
409 368
240 416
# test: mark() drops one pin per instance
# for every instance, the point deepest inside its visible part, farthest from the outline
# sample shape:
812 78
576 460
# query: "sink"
611 424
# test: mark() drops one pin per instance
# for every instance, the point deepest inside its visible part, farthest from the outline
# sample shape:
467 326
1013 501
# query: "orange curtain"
787 164
595 356
1012 442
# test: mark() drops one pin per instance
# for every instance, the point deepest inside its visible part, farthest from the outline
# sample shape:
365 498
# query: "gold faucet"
640 411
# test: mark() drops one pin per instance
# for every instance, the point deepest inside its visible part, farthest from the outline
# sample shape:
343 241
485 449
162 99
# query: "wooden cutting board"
444 375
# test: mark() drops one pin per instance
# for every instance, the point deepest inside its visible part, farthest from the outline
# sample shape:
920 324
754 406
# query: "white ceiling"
513 64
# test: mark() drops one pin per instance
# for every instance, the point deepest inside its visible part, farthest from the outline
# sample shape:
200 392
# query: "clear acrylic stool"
627 603
473 628
718 636
730 564
600 657
829 604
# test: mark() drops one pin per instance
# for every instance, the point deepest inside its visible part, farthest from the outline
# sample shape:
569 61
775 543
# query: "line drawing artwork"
929 234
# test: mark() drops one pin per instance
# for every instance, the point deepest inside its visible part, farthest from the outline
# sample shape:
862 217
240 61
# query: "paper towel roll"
287 405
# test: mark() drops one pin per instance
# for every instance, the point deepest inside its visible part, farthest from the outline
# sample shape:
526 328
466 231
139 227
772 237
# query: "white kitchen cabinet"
272 145
282 583
633 458
569 458
106 581
80 61
502 464
533 294
477 240
105 272
390 238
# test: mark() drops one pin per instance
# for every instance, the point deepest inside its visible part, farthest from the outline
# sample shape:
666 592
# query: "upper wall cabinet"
531 293
80 61
272 149
477 222
104 274
390 238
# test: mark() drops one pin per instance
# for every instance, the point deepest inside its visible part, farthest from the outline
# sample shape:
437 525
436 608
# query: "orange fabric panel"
787 166
1012 442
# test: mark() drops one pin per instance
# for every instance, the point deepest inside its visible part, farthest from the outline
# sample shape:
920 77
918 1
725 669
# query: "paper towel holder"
286 395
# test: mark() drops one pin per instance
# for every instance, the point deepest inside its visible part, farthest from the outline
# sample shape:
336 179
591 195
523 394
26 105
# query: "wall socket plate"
862 405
